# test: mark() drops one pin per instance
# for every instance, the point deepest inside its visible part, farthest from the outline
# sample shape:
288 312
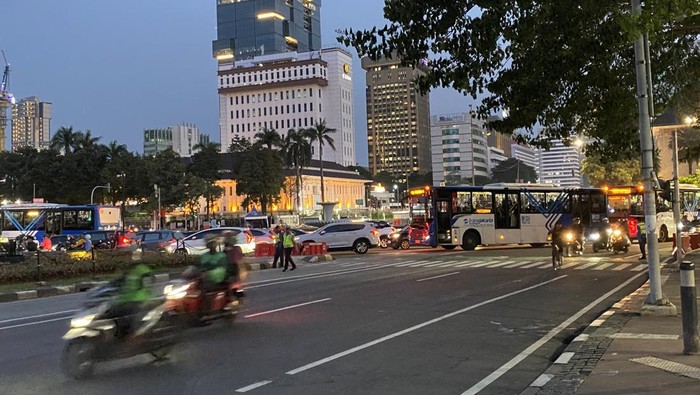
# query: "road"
410 322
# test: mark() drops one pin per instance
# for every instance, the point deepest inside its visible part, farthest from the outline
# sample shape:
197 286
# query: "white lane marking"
603 266
254 386
586 266
643 336
639 268
285 308
468 263
564 358
33 323
405 263
597 322
519 264
542 380
442 275
476 388
581 338
622 266
533 265
487 263
38 316
312 277
416 327
258 283
448 264
547 265
572 264
502 264
434 264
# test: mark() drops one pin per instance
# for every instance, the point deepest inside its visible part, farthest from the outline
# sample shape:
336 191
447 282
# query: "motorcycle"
94 335
602 239
572 245
620 242
190 305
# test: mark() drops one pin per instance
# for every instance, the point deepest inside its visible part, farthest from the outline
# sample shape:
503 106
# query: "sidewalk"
625 352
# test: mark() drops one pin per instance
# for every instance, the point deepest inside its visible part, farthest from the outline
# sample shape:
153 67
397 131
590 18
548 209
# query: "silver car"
196 243
359 236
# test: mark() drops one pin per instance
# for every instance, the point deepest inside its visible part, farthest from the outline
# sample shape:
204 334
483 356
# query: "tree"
167 171
297 153
85 141
513 170
206 161
385 178
691 179
321 133
260 176
64 140
688 146
565 65
239 144
362 171
601 171
269 138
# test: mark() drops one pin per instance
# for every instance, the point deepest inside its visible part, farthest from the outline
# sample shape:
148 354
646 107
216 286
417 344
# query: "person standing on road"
288 244
642 238
87 244
46 243
278 240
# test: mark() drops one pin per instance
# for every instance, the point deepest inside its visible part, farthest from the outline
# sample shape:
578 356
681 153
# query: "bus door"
507 217
443 220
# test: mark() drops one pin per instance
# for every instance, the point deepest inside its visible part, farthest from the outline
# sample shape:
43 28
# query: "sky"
119 67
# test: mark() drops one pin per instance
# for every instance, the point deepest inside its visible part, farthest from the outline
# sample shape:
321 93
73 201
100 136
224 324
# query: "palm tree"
321 133
297 154
64 139
269 138
115 150
85 140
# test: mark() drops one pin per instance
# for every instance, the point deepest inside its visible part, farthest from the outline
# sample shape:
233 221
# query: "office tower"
459 149
31 124
180 138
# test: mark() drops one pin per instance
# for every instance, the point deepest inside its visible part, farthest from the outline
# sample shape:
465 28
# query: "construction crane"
6 100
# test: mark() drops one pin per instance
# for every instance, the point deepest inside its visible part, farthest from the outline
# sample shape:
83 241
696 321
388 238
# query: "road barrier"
266 249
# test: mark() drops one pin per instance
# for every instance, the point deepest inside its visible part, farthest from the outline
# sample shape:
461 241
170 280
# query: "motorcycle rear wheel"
77 359
162 353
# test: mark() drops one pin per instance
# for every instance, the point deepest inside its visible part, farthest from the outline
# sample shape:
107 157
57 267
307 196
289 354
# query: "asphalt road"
409 322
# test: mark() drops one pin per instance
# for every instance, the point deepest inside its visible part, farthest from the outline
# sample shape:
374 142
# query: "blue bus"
35 219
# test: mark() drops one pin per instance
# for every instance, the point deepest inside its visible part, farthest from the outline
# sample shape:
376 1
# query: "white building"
31 124
526 155
561 165
180 138
459 147
290 91
496 156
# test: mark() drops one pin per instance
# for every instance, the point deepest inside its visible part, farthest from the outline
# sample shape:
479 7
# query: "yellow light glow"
291 40
270 15
501 237
619 191
224 56
32 214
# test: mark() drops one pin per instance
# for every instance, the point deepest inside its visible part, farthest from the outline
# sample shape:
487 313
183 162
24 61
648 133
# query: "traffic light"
666 190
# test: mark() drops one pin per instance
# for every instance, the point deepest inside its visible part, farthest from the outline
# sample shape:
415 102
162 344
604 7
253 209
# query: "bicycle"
557 256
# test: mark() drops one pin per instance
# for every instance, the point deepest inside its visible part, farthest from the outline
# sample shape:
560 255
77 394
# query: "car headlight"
595 236
175 291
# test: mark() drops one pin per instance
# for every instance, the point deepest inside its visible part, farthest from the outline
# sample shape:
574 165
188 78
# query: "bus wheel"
470 240
449 247
663 234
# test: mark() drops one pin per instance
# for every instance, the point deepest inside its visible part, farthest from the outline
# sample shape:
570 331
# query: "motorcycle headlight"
175 291
570 236
82 321
595 236
608 231
617 232
395 236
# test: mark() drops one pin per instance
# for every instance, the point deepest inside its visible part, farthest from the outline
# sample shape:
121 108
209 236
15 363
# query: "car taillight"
125 240
375 232
393 229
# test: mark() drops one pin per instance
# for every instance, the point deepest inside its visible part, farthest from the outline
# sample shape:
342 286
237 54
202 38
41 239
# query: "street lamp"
92 194
396 193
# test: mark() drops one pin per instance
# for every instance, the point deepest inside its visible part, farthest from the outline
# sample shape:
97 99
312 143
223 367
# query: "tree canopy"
564 65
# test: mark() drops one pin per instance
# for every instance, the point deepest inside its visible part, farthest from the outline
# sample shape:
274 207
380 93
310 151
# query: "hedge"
59 265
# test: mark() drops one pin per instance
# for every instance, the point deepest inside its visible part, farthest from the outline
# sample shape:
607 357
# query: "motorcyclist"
605 230
236 270
557 237
133 292
214 264
578 230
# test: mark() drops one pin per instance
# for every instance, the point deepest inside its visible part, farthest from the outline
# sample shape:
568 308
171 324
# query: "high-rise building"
496 156
398 124
180 138
526 155
459 148
560 165
290 91
31 124
501 141
250 28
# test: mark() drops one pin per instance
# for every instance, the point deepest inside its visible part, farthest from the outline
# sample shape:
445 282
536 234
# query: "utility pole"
157 191
676 200
655 295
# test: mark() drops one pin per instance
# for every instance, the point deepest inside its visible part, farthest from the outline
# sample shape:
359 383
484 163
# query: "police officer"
642 238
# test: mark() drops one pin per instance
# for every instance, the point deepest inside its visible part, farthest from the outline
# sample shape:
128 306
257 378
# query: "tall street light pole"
655 295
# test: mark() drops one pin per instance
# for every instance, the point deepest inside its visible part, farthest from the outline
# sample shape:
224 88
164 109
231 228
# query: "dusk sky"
119 67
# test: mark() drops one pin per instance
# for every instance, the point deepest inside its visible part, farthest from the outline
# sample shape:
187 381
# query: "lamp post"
156 188
396 193
92 194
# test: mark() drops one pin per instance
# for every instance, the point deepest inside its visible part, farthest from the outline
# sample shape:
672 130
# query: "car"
262 236
385 230
414 234
158 240
359 236
196 243
299 232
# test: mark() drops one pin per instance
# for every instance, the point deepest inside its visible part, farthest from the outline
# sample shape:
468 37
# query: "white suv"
358 236
196 243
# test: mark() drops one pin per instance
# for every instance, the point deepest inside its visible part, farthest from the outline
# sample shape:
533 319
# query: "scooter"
94 335
620 242
194 307
602 239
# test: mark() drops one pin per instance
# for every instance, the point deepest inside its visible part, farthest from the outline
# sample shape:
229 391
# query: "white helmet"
88 237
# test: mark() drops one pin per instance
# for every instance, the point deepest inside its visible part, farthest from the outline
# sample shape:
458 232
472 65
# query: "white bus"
469 216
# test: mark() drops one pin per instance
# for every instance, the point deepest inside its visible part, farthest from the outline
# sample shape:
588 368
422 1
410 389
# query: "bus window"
53 222
77 220
481 202
85 219
462 203
637 205
9 224
507 210
558 202
598 204
533 202
29 217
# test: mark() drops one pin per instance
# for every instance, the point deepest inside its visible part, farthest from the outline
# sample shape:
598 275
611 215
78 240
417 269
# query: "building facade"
31 124
180 138
496 156
398 118
459 148
526 155
250 28
560 165
290 91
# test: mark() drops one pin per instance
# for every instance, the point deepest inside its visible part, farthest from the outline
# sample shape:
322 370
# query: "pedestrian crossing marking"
518 264
447 264
487 263
586 266
436 264
639 268
531 265
468 264
603 266
502 264
420 263
620 267
407 263
544 265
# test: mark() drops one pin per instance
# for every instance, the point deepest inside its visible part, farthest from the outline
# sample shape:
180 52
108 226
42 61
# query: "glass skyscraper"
250 28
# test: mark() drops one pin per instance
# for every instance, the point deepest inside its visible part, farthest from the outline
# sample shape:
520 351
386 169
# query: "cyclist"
557 236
